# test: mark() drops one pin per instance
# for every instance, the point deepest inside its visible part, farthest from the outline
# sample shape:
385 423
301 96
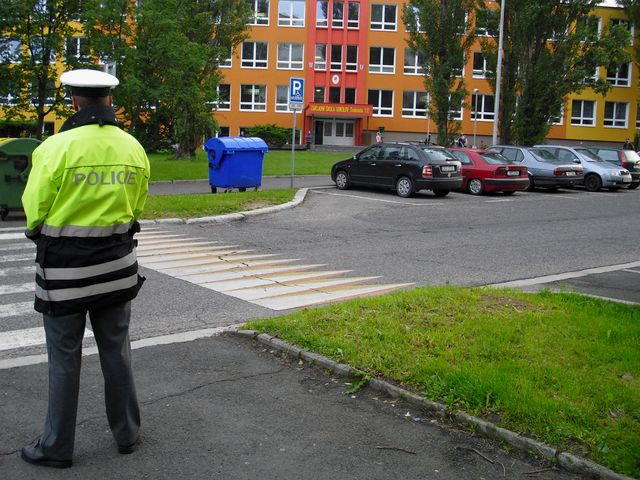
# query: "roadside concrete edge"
231 217
568 461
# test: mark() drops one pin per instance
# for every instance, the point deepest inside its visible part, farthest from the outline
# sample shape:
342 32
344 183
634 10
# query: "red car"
486 171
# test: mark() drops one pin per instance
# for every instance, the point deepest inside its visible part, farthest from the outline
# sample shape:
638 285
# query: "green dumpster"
15 163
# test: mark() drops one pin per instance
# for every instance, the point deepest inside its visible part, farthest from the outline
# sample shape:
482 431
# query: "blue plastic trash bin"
235 162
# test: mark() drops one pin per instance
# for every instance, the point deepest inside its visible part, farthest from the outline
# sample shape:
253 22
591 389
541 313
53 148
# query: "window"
282 98
223 95
225 58
480 67
290 56
344 129
322 19
49 93
413 62
626 23
350 96
337 17
462 29
77 50
414 17
334 94
291 13
414 104
336 57
559 118
38 51
383 17
482 107
353 18
583 112
351 64
259 12
615 114
382 101
253 97
222 131
321 57
455 111
318 94
589 27
487 22
620 77
10 95
254 54
458 70
382 59
10 50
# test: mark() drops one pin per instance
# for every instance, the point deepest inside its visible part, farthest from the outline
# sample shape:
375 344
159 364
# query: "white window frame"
320 65
322 22
382 67
480 73
259 19
226 62
253 105
486 112
378 109
381 23
614 121
416 12
615 79
254 61
291 20
580 120
560 117
351 66
36 47
355 22
617 21
294 56
223 105
458 113
337 22
415 97
599 32
415 67
280 106
78 41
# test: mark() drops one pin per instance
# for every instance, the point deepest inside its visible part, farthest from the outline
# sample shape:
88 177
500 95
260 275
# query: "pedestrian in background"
462 141
85 192
378 137
628 145
308 140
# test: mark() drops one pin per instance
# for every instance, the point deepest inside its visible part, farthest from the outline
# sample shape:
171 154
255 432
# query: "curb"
568 461
231 217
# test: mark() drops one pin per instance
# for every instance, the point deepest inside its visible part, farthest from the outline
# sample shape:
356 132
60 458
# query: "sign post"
296 102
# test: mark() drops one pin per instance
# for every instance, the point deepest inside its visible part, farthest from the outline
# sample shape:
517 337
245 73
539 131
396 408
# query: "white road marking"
12 236
630 271
527 282
17 257
27 337
13 229
18 246
21 270
16 309
378 199
17 288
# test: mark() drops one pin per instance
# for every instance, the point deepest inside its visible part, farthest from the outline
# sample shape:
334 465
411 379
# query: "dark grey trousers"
64 345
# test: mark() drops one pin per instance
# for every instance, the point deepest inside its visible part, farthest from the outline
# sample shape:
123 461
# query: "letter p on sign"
296 90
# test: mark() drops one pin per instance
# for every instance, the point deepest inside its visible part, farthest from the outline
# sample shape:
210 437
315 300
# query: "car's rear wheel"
532 186
404 187
441 193
634 185
475 186
342 180
592 182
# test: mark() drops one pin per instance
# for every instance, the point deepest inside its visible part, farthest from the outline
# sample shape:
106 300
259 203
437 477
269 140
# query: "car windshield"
495 159
588 155
545 156
438 154
631 156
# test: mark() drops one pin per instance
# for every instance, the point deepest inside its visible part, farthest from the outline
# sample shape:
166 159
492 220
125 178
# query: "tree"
438 30
168 60
632 7
551 49
37 37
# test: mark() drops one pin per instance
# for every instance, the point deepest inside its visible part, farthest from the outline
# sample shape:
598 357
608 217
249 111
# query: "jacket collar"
95 114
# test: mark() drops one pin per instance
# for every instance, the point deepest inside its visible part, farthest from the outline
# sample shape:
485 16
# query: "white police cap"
89 83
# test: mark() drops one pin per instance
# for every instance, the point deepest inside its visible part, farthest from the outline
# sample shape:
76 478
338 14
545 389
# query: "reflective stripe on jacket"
86 189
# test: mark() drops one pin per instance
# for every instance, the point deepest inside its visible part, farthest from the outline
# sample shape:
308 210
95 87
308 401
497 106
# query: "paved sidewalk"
222 407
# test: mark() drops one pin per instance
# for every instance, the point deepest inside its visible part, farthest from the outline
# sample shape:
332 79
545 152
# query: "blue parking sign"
296 90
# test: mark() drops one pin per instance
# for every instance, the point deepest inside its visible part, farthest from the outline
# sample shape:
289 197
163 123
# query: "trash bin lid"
218 147
18 146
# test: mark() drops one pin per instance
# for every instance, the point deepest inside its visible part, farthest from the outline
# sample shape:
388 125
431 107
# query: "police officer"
86 190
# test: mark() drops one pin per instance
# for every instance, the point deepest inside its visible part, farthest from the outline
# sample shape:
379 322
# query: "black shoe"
34 455
127 449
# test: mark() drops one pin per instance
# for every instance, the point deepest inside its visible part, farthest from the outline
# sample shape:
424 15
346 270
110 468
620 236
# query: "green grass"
190 206
275 163
559 367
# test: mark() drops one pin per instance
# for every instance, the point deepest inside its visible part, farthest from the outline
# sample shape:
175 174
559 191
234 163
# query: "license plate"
513 173
448 168
570 174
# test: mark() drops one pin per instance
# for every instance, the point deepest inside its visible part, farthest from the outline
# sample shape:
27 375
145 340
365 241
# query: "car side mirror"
576 161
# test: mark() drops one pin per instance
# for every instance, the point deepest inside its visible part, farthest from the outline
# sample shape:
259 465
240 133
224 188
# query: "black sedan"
403 167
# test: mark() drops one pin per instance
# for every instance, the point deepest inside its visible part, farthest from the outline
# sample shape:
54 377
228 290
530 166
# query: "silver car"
597 172
624 158
545 169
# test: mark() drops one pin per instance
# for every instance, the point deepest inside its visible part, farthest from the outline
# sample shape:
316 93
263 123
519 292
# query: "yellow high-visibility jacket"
86 189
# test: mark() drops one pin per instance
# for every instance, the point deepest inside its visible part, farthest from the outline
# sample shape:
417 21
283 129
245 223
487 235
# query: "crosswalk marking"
22 269
18 246
16 309
17 288
27 337
12 236
21 257
277 284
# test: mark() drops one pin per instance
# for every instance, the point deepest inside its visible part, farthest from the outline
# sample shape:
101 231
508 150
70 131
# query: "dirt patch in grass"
255 204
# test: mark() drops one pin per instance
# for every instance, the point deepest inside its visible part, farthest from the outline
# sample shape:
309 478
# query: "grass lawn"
562 368
190 206
275 163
